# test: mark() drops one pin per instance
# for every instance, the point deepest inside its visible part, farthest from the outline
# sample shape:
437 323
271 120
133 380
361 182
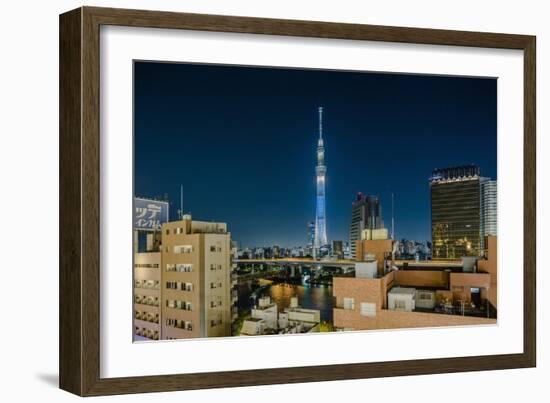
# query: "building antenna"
392 219
181 202
320 122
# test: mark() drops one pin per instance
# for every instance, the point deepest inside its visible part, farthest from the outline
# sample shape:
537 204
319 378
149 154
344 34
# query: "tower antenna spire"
320 122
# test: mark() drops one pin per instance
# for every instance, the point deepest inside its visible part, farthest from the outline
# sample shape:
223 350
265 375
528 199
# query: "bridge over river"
301 262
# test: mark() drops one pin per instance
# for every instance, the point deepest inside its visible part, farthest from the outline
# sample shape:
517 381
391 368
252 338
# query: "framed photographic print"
249 201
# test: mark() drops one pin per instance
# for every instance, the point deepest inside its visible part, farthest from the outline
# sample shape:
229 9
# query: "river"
310 297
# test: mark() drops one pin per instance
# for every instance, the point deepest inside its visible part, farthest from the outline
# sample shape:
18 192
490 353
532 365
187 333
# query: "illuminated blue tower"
320 170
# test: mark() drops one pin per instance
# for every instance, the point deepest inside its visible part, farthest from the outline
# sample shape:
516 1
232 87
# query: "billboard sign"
149 215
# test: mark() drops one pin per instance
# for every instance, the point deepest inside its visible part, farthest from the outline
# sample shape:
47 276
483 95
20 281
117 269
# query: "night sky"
242 142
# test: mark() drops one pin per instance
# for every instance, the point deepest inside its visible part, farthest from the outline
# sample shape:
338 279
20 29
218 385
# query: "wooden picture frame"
79 354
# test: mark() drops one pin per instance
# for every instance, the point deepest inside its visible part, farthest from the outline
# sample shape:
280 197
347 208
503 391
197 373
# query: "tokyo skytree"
320 171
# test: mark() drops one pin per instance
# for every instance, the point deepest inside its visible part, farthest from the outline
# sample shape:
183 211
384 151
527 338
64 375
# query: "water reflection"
310 297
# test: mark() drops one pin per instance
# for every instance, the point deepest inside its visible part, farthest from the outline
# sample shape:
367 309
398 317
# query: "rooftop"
254 319
402 291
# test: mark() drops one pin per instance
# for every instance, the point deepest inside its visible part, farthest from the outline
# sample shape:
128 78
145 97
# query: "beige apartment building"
196 284
147 295
424 294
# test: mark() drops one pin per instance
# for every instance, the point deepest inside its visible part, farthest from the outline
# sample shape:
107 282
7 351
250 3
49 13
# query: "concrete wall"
385 319
360 289
375 291
422 278
378 248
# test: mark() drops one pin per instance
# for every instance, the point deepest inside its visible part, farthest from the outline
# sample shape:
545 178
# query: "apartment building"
147 296
426 294
196 283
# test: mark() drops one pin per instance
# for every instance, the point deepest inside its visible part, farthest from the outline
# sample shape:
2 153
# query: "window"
180 324
184 268
368 309
147 265
178 304
400 304
179 249
171 285
181 268
425 296
212 248
349 303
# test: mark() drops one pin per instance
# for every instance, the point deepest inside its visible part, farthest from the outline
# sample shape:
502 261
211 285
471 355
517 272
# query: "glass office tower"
456 212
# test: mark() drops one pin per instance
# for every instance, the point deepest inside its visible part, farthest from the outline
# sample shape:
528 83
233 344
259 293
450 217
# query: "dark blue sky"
242 142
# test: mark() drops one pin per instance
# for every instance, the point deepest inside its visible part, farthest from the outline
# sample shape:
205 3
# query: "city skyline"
240 141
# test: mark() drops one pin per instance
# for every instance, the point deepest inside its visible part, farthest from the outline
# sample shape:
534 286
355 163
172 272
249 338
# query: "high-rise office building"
488 209
366 213
456 215
320 171
196 283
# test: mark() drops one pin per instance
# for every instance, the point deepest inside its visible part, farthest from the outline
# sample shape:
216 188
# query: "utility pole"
392 219
180 211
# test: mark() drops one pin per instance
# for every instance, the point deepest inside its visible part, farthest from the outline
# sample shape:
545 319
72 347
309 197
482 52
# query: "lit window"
183 249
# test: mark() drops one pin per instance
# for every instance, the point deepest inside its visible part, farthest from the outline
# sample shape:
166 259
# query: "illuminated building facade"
488 209
320 170
456 212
